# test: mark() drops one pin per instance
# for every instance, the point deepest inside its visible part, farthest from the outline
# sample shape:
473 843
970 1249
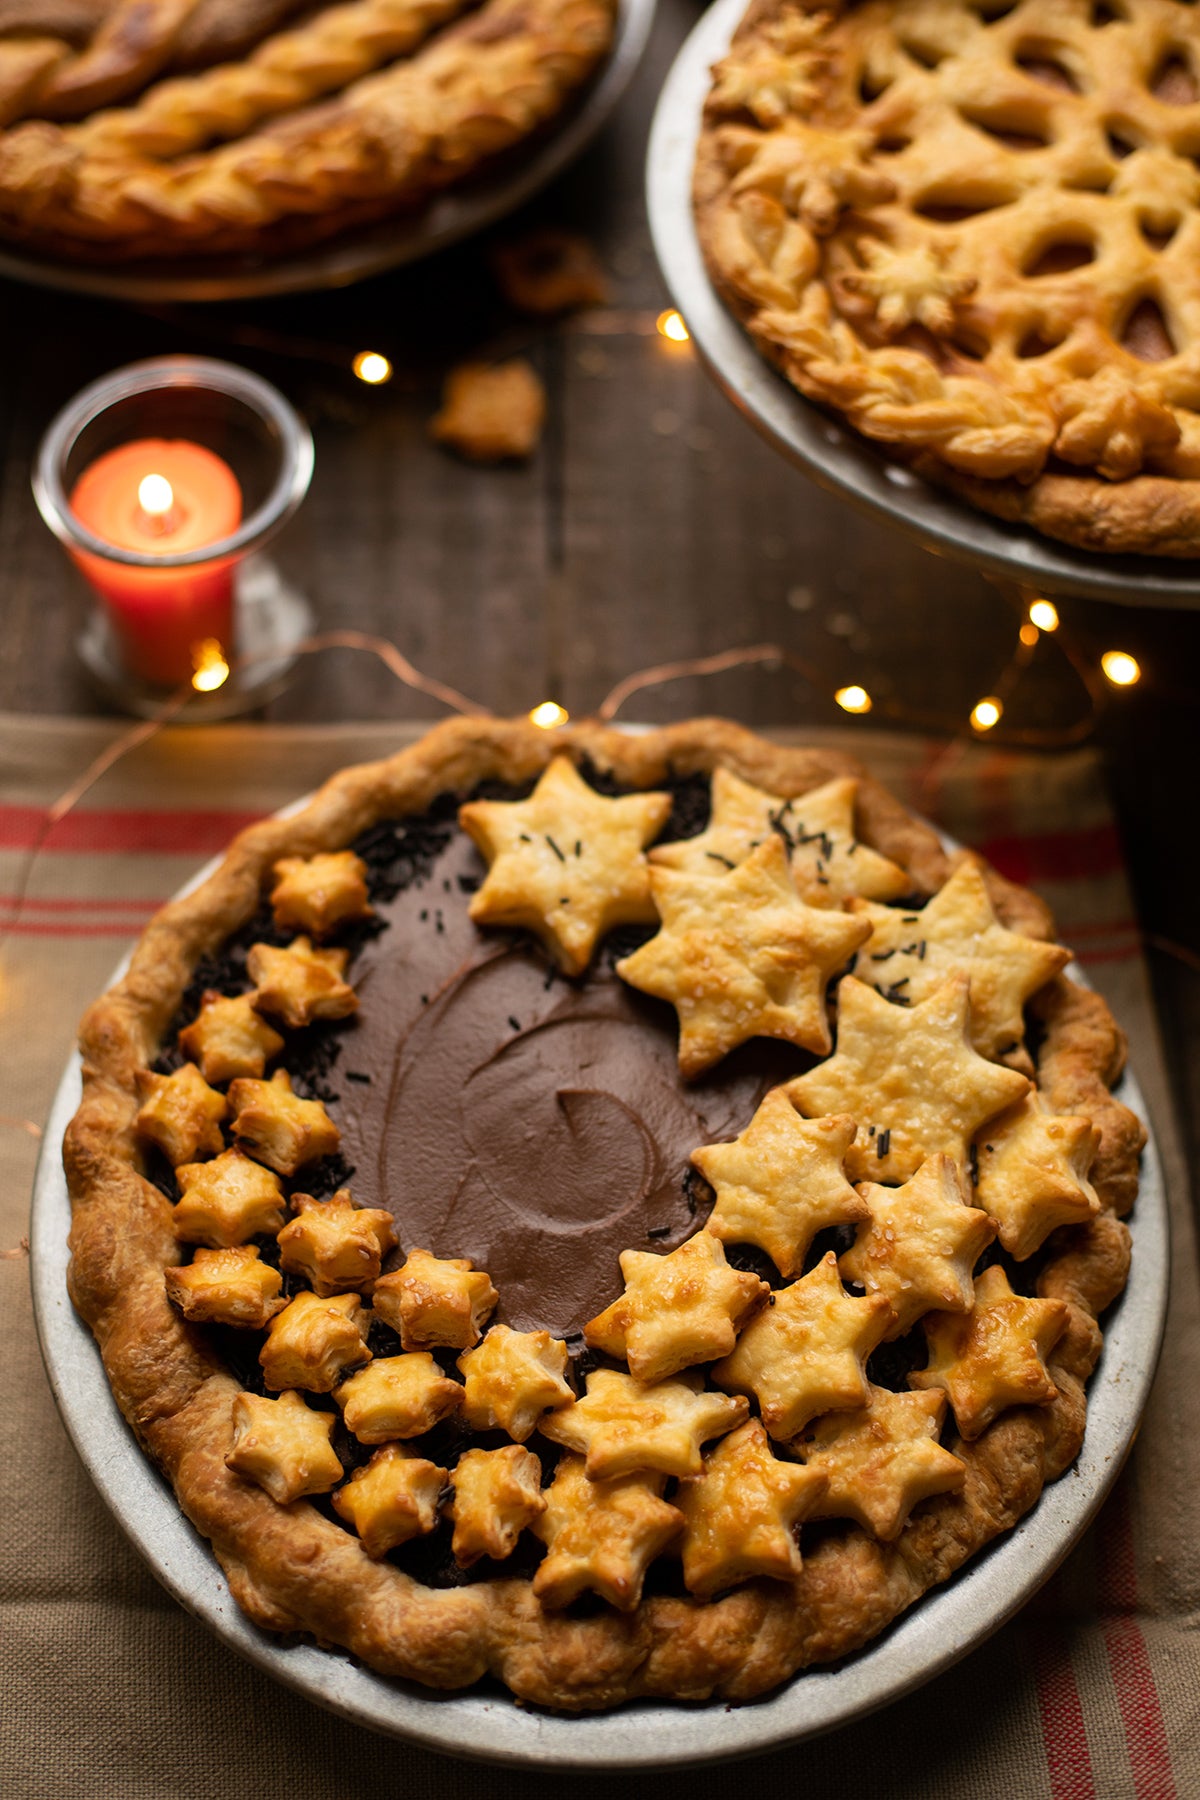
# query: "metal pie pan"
488 1725
371 250
826 449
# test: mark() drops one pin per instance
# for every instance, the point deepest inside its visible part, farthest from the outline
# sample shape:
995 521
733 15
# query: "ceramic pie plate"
486 1722
828 450
359 254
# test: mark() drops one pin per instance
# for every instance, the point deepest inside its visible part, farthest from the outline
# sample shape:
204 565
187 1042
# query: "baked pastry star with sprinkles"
679 1309
226 1201
601 1536
1033 1173
283 1445
567 864
882 1461
299 984
741 956
910 1077
919 1244
397 1397
394 1498
622 1425
512 1378
497 1493
994 1357
338 1247
227 1287
741 1511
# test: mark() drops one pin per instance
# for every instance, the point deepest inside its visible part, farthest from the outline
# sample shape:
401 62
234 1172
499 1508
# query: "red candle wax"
160 614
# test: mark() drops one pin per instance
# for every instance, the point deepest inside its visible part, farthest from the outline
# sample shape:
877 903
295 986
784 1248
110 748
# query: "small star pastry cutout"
601 1536
181 1114
397 1397
229 1039
433 1301
683 1308
805 1353
316 894
338 1247
227 1287
781 1181
623 1425
741 956
226 1201
817 174
739 1514
283 1445
994 1357
512 1378
393 1499
497 1493
312 1343
917 285
817 829
278 1127
882 1461
910 954
1033 1174
567 864
910 1078
773 76
299 984
919 1245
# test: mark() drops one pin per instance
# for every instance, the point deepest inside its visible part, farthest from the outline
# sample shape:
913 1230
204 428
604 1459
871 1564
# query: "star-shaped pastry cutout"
995 1356
601 1535
816 173
910 954
679 1309
912 285
773 75
567 864
313 1343
226 1201
393 1499
229 1039
623 1425
397 1397
277 1126
741 956
920 1244
910 1078
1033 1173
805 1353
781 1181
318 893
740 1513
828 862
283 1445
431 1300
227 1287
882 1461
338 1247
512 1378
497 1493
299 984
180 1113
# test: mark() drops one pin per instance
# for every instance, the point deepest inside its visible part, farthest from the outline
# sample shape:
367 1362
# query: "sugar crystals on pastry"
397 1397
277 1126
601 1536
338 1247
678 1309
299 984
781 1181
741 1511
497 1493
512 1378
313 1343
622 1424
283 1445
567 863
994 1356
228 1038
919 1244
180 1113
226 1201
1033 1173
394 1498
882 1460
740 956
909 1076
227 1287
318 893
432 1300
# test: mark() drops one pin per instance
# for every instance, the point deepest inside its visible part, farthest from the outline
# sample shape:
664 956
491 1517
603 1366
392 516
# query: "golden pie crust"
181 128
972 229
292 1568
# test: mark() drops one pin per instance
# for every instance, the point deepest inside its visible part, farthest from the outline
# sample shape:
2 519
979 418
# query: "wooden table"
653 524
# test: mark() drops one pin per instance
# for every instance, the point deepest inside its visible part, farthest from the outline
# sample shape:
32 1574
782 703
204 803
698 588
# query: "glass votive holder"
164 481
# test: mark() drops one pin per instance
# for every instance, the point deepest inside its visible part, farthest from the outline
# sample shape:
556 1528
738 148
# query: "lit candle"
161 497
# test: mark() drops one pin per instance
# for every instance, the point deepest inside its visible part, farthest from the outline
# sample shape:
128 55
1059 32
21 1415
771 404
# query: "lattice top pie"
143 128
483 1327
972 226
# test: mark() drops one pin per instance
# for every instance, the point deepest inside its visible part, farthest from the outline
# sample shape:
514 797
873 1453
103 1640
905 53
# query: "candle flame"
210 666
670 325
548 715
156 496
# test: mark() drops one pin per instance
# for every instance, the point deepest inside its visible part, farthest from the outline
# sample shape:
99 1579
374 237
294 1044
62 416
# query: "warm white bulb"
211 670
670 325
548 715
854 699
1120 668
156 496
372 368
986 713
1044 614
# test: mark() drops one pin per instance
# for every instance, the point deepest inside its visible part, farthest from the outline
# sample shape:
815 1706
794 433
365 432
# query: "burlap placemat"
109 1689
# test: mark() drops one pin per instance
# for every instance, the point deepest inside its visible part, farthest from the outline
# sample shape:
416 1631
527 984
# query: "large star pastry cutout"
682 1308
957 933
622 1425
781 1181
882 1461
741 956
817 829
567 864
1033 1174
994 1357
601 1535
910 1078
740 1514
920 1244
805 1353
